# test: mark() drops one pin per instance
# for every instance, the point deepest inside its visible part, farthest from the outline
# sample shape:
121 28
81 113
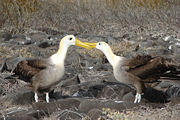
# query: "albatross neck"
60 56
112 58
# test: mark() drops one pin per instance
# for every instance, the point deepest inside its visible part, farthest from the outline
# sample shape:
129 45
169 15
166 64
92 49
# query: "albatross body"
45 73
136 70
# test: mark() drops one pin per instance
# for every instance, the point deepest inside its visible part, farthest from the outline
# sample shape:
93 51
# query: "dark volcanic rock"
39 36
17 117
88 105
44 44
94 114
5 36
23 114
156 96
22 97
129 97
62 104
114 90
173 91
10 63
70 115
3 66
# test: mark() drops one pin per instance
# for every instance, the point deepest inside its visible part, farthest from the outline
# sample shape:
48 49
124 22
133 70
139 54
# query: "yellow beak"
92 45
82 44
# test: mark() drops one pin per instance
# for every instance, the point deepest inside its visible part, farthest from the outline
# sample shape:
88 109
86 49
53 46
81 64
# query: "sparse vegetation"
143 113
84 16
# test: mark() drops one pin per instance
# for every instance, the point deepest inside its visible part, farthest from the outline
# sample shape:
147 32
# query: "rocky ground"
88 89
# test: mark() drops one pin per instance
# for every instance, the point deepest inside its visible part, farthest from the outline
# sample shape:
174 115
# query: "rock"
156 35
165 84
2 81
96 38
22 97
176 51
5 36
72 58
90 104
70 81
22 117
22 114
70 115
1 89
6 77
114 92
44 44
93 91
146 44
155 96
25 40
38 36
111 40
82 93
129 97
18 39
94 114
10 63
88 89
62 104
91 75
50 31
3 66
169 38
173 91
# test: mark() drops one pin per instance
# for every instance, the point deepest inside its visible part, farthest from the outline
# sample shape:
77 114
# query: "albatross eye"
70 38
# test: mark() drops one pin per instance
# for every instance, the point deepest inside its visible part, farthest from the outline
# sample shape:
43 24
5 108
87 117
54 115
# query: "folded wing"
26 69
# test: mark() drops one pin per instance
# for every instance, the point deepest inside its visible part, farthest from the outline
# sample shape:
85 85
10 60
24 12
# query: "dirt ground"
131 27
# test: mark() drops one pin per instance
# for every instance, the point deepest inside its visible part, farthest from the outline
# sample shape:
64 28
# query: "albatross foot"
47 97
36 97
137 98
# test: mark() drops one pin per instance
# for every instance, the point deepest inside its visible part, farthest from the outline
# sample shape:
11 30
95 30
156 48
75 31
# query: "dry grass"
6 52
83 16
145 113
15 13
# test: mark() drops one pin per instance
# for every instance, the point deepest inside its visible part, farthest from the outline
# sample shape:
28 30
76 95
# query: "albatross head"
106 49
103 46
72 40
60 55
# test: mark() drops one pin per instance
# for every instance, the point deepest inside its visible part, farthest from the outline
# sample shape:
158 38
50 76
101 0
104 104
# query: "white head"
69 40
103 46
72 40
106 49
65 42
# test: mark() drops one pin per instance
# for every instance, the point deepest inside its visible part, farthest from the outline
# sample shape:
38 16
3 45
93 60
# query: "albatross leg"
47 97
137 98
139 86
36 96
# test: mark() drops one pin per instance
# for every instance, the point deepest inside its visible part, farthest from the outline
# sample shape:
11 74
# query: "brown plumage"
146 67
26 69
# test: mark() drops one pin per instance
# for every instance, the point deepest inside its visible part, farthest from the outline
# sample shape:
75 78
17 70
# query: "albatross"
45 73
137 70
